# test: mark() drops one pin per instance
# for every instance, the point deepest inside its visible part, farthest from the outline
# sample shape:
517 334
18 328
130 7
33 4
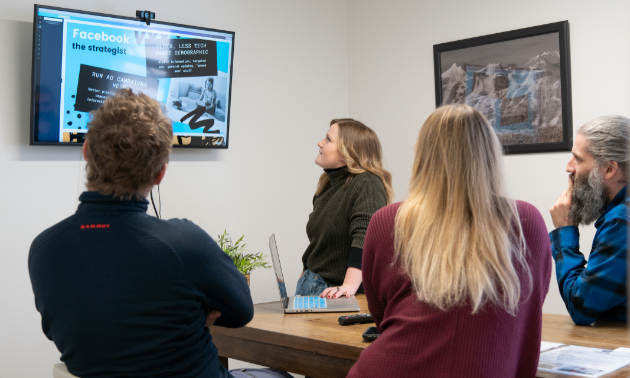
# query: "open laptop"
292 305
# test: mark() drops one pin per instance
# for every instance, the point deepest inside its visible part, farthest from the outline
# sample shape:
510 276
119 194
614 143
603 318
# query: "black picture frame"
537 126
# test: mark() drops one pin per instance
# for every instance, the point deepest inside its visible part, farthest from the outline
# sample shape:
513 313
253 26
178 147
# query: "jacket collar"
619 198
98 201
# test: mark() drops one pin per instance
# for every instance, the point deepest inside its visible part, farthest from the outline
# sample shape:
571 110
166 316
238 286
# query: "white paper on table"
582 361
546 345
622 352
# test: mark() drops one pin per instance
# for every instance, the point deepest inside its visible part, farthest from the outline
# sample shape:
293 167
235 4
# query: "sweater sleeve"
369 197
591 290
377 258
217 281
537 242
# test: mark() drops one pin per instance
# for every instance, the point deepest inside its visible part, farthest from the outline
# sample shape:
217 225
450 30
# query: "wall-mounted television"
80 58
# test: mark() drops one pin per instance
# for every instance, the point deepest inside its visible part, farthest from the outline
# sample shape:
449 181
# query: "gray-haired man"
596 193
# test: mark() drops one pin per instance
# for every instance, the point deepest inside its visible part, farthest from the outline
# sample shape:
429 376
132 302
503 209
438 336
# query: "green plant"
244 262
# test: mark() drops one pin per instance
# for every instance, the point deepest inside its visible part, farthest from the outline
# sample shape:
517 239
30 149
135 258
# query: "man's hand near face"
560 211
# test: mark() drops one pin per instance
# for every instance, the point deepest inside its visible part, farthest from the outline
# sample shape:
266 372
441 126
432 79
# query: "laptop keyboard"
309 302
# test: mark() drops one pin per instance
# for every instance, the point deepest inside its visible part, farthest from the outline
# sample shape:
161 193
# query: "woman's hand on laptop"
338 291
212 317
350 285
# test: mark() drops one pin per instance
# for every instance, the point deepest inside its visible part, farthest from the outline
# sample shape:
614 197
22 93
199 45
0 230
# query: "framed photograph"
520 80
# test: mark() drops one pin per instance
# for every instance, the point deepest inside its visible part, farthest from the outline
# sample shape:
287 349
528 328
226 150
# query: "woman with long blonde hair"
456 275
352 188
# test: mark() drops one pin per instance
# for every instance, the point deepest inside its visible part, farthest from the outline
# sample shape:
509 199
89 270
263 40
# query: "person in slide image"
207 103
122 293
354 186
598 178
456 275
208 98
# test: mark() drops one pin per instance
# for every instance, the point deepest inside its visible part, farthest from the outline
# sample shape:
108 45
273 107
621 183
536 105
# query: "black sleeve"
219 284
369 196
356 257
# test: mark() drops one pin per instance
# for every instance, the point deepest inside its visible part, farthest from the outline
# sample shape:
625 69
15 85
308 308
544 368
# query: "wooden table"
316 345
602 334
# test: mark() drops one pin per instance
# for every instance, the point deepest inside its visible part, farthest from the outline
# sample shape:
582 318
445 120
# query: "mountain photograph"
515 85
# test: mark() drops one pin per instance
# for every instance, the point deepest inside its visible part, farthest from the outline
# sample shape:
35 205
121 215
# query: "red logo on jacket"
84 226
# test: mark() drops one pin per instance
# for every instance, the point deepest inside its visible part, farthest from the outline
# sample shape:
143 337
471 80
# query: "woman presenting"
352 188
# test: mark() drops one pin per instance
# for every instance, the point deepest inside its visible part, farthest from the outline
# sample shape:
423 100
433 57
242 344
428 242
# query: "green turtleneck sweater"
336 227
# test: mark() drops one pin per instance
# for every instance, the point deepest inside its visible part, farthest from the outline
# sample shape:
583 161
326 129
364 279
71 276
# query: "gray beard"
589 198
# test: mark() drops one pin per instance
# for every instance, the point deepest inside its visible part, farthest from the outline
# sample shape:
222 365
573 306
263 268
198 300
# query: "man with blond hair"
596 193
124 294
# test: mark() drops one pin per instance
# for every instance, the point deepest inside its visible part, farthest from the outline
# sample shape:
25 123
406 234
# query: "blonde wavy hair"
361 150
458 235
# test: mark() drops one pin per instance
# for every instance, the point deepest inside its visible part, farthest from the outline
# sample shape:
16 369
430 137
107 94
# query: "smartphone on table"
371 334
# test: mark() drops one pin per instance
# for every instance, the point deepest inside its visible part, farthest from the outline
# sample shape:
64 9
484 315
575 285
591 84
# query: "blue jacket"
597 291
123 294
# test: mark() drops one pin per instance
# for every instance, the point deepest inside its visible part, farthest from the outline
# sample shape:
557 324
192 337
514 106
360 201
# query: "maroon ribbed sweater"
421 341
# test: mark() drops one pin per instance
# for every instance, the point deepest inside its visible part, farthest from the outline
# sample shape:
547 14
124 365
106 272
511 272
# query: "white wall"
296 66
391 84
290 79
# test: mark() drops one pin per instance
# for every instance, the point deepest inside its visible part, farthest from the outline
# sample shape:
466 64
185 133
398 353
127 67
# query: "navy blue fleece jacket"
123 294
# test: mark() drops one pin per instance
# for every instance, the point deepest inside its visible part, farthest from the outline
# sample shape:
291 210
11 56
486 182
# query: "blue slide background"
133 62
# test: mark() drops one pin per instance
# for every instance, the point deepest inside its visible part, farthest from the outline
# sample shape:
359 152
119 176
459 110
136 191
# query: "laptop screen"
275 259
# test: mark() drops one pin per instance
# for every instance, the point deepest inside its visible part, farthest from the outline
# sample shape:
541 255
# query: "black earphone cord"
157 215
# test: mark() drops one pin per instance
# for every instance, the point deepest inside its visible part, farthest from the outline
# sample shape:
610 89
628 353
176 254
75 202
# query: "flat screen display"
81 58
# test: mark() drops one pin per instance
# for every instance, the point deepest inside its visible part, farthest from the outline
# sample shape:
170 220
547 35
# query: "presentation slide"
187 72
96 84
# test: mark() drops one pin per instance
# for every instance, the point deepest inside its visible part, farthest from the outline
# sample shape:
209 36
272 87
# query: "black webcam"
145 16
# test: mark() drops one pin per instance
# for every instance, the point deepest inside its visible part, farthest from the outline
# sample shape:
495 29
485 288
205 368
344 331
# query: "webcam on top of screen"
145 16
